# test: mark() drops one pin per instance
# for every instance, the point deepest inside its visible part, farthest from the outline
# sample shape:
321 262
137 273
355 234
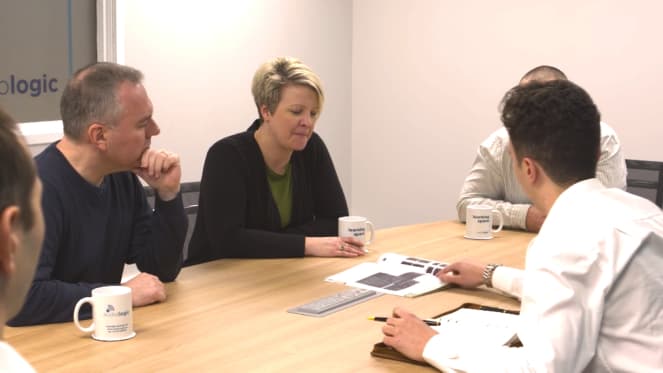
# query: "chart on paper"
394 274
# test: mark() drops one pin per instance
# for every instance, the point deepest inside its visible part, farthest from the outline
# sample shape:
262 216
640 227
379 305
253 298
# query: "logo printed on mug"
356 226
112 318
479 222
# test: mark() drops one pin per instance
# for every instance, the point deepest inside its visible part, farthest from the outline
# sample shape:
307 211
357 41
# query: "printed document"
394 274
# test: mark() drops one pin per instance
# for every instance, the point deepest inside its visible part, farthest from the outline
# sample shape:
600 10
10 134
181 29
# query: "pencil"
384 319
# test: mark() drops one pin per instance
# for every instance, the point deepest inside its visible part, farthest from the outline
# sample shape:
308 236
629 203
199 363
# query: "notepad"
495 328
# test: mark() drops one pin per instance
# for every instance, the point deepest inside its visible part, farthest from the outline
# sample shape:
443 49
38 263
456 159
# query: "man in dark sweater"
96 213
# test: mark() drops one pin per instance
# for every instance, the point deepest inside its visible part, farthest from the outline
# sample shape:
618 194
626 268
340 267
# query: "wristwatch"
488 274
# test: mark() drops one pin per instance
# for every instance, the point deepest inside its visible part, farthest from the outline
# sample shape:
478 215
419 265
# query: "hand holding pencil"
428 322
406 333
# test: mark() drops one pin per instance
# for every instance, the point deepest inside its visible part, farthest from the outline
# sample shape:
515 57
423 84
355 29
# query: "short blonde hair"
273 75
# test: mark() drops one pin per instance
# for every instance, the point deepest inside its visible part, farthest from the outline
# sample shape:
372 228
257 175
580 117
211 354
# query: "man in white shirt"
21 232
592 288
491 180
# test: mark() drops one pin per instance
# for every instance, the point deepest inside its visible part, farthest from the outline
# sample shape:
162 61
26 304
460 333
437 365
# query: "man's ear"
97 135
530 169
8 239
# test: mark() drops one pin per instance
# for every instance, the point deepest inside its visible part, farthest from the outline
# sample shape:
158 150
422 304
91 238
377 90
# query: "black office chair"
645 178
191 212
190 192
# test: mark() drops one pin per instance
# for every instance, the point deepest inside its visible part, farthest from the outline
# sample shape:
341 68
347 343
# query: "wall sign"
42 44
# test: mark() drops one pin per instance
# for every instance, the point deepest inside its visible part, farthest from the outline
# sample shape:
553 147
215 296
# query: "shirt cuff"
441 353
509 280
173 206
519 215
437 348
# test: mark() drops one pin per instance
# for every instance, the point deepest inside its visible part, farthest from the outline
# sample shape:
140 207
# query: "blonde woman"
272 191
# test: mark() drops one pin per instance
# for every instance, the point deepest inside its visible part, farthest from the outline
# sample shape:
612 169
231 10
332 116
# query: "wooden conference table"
230 315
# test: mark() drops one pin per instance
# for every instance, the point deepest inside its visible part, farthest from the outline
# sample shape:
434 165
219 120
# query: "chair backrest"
191 212
190 192
645 178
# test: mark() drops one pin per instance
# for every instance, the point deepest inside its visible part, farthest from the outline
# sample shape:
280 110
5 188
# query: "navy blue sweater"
237 216
91 232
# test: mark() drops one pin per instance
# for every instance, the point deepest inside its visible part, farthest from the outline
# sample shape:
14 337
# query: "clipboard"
381 350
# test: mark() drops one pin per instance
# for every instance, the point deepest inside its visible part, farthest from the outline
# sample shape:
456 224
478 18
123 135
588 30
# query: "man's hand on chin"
161 170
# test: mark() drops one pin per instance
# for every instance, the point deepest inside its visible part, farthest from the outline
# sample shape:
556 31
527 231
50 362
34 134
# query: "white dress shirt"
11 361
491 180
591 291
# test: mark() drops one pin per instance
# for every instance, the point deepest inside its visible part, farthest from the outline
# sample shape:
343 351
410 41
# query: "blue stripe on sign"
70 43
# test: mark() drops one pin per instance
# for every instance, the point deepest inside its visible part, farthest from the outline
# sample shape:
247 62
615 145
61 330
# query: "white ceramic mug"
112 318
479 222
356 226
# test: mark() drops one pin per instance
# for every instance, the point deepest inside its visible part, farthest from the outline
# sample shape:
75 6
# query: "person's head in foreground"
21 229
554 131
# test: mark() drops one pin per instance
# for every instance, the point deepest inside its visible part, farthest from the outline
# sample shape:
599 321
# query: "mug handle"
90 328
501 218
372 230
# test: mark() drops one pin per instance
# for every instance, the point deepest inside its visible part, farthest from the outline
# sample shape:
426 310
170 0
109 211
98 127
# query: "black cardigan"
237 216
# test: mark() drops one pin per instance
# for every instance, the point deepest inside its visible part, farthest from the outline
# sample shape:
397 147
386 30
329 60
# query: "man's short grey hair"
91 96
273 75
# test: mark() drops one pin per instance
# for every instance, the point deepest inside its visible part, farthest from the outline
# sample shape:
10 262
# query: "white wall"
428 76
412 86
199 57
38 135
